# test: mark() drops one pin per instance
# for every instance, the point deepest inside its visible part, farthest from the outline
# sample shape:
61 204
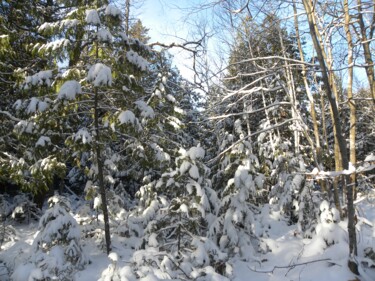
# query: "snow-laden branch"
249 112
10 116
184 46
253 134
275 57
316 174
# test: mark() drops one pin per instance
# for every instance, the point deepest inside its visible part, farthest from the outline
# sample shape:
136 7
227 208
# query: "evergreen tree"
58 252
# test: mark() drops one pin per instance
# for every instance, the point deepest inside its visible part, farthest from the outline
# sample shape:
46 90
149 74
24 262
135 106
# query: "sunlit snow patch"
100 75
92 17
69 90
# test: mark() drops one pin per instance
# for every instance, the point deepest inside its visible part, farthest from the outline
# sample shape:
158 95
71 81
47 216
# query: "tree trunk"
291 92
127 17
352 106
367 51
100 164
101 175
341 140
307 89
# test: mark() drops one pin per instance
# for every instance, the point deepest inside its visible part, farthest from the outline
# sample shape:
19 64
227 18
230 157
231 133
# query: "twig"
184 46
176 265
289 266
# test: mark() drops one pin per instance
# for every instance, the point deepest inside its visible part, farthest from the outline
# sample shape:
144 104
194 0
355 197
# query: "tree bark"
309 8
101 175
127 17
352 106
307 89
100 163
367 51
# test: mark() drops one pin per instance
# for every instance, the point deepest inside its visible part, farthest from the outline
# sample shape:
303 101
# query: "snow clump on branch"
92 17
69 90
100 75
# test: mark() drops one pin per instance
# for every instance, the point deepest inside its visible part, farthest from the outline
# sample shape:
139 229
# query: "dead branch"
249 112
292 266
184 46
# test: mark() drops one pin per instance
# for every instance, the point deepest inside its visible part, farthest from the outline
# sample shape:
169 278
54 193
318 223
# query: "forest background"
275 115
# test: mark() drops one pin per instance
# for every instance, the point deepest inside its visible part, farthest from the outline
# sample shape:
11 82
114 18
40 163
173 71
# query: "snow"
104 35
113 257
320 174
83 135
24 126
23 272
194 172
184 167
97 202
113 11
171 98
290 256
178 110
43 141
54 45
36 274
42 78
196 153
126 117
157 93
69 90
45 27
370 158
100 75
146 110
92 17
160 154
137 60
63 24
34 105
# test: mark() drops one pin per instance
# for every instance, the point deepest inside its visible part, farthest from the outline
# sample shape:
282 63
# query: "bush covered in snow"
58 252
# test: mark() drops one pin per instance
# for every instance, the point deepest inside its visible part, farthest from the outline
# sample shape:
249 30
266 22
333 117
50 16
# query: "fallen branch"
290 266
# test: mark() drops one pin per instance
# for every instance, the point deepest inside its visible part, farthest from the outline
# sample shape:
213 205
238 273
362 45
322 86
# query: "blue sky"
167 24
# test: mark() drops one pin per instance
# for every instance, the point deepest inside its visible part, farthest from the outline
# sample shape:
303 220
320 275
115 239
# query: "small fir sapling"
176 219
308 211
328 228
24 209
58 252
7 232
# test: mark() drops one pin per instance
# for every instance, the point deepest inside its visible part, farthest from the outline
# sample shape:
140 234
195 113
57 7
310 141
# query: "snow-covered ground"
287 255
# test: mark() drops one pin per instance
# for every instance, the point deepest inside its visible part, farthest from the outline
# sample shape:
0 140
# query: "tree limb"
10 116
290 266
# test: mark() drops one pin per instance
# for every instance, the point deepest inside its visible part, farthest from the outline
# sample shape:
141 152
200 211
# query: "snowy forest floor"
288 256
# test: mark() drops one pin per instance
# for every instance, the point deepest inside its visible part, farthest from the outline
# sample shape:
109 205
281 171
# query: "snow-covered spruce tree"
240 186
18 27
328 230
35 162
180 208
24 209
96 91
58 253
161 137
